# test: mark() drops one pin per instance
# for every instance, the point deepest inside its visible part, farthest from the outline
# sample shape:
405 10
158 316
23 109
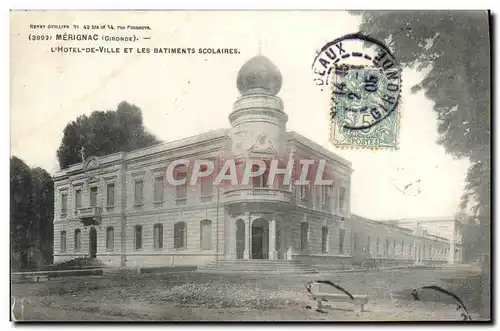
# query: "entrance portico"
258 238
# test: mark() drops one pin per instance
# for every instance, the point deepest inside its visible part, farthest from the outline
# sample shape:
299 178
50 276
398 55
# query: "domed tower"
258 121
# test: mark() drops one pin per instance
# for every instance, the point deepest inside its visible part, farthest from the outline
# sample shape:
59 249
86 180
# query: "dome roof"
259 75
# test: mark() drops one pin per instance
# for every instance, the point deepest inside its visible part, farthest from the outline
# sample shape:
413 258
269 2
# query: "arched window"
158 236
206 234
324 239
180 235
78 240
63 241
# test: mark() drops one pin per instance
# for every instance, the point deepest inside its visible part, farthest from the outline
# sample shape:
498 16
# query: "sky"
184 95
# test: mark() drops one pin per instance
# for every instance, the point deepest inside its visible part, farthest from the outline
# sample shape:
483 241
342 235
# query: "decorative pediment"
91 163
263 145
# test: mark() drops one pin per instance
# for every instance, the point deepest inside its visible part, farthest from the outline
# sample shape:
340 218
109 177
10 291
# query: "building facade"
122 210
449 228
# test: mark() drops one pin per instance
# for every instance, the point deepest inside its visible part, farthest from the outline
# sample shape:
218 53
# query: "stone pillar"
248 247
282 240
272 240
233 239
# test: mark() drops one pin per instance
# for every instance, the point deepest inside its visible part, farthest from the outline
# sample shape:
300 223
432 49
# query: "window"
342 199
64 203
325 196
355 241
207 186
378 244
341 240
304 232
110 238
138 237
386 250
305 192
110 195
334 197
93 196
78 198
180 235
369 245
317 197
180 174
402 251
139 192
158 189
257 181
158 236
324 239
63 241
78 240
206 234
394 247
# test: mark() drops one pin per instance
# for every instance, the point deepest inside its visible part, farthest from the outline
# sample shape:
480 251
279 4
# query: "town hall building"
120 208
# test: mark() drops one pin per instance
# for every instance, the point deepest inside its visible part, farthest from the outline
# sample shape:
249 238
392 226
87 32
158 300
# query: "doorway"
93 243
260 239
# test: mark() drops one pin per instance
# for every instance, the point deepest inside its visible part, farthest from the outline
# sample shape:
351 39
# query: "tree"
104 133
31 215
454 45
43 202
21 211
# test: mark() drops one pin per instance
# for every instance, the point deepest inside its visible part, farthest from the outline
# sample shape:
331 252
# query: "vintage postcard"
250 166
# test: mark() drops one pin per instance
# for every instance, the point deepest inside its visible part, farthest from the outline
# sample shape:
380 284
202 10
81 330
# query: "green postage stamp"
364 107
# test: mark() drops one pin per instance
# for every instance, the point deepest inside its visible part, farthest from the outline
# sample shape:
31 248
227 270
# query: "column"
248 248
272 240
233 229
282 240
288 246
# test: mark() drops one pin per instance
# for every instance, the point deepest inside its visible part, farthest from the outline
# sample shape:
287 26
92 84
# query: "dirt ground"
210 297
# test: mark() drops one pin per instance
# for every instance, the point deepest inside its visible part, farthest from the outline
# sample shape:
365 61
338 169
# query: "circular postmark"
363 77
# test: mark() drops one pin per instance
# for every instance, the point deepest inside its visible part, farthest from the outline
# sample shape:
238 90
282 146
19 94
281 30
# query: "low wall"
345 262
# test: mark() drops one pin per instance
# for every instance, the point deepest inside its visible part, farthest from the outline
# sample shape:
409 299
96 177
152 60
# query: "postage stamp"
364 84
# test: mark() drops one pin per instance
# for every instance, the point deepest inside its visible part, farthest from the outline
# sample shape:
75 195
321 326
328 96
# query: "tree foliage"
31 215
455 46
104 132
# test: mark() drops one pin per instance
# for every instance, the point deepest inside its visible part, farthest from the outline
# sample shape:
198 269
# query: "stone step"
257 266
267 262
294 272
